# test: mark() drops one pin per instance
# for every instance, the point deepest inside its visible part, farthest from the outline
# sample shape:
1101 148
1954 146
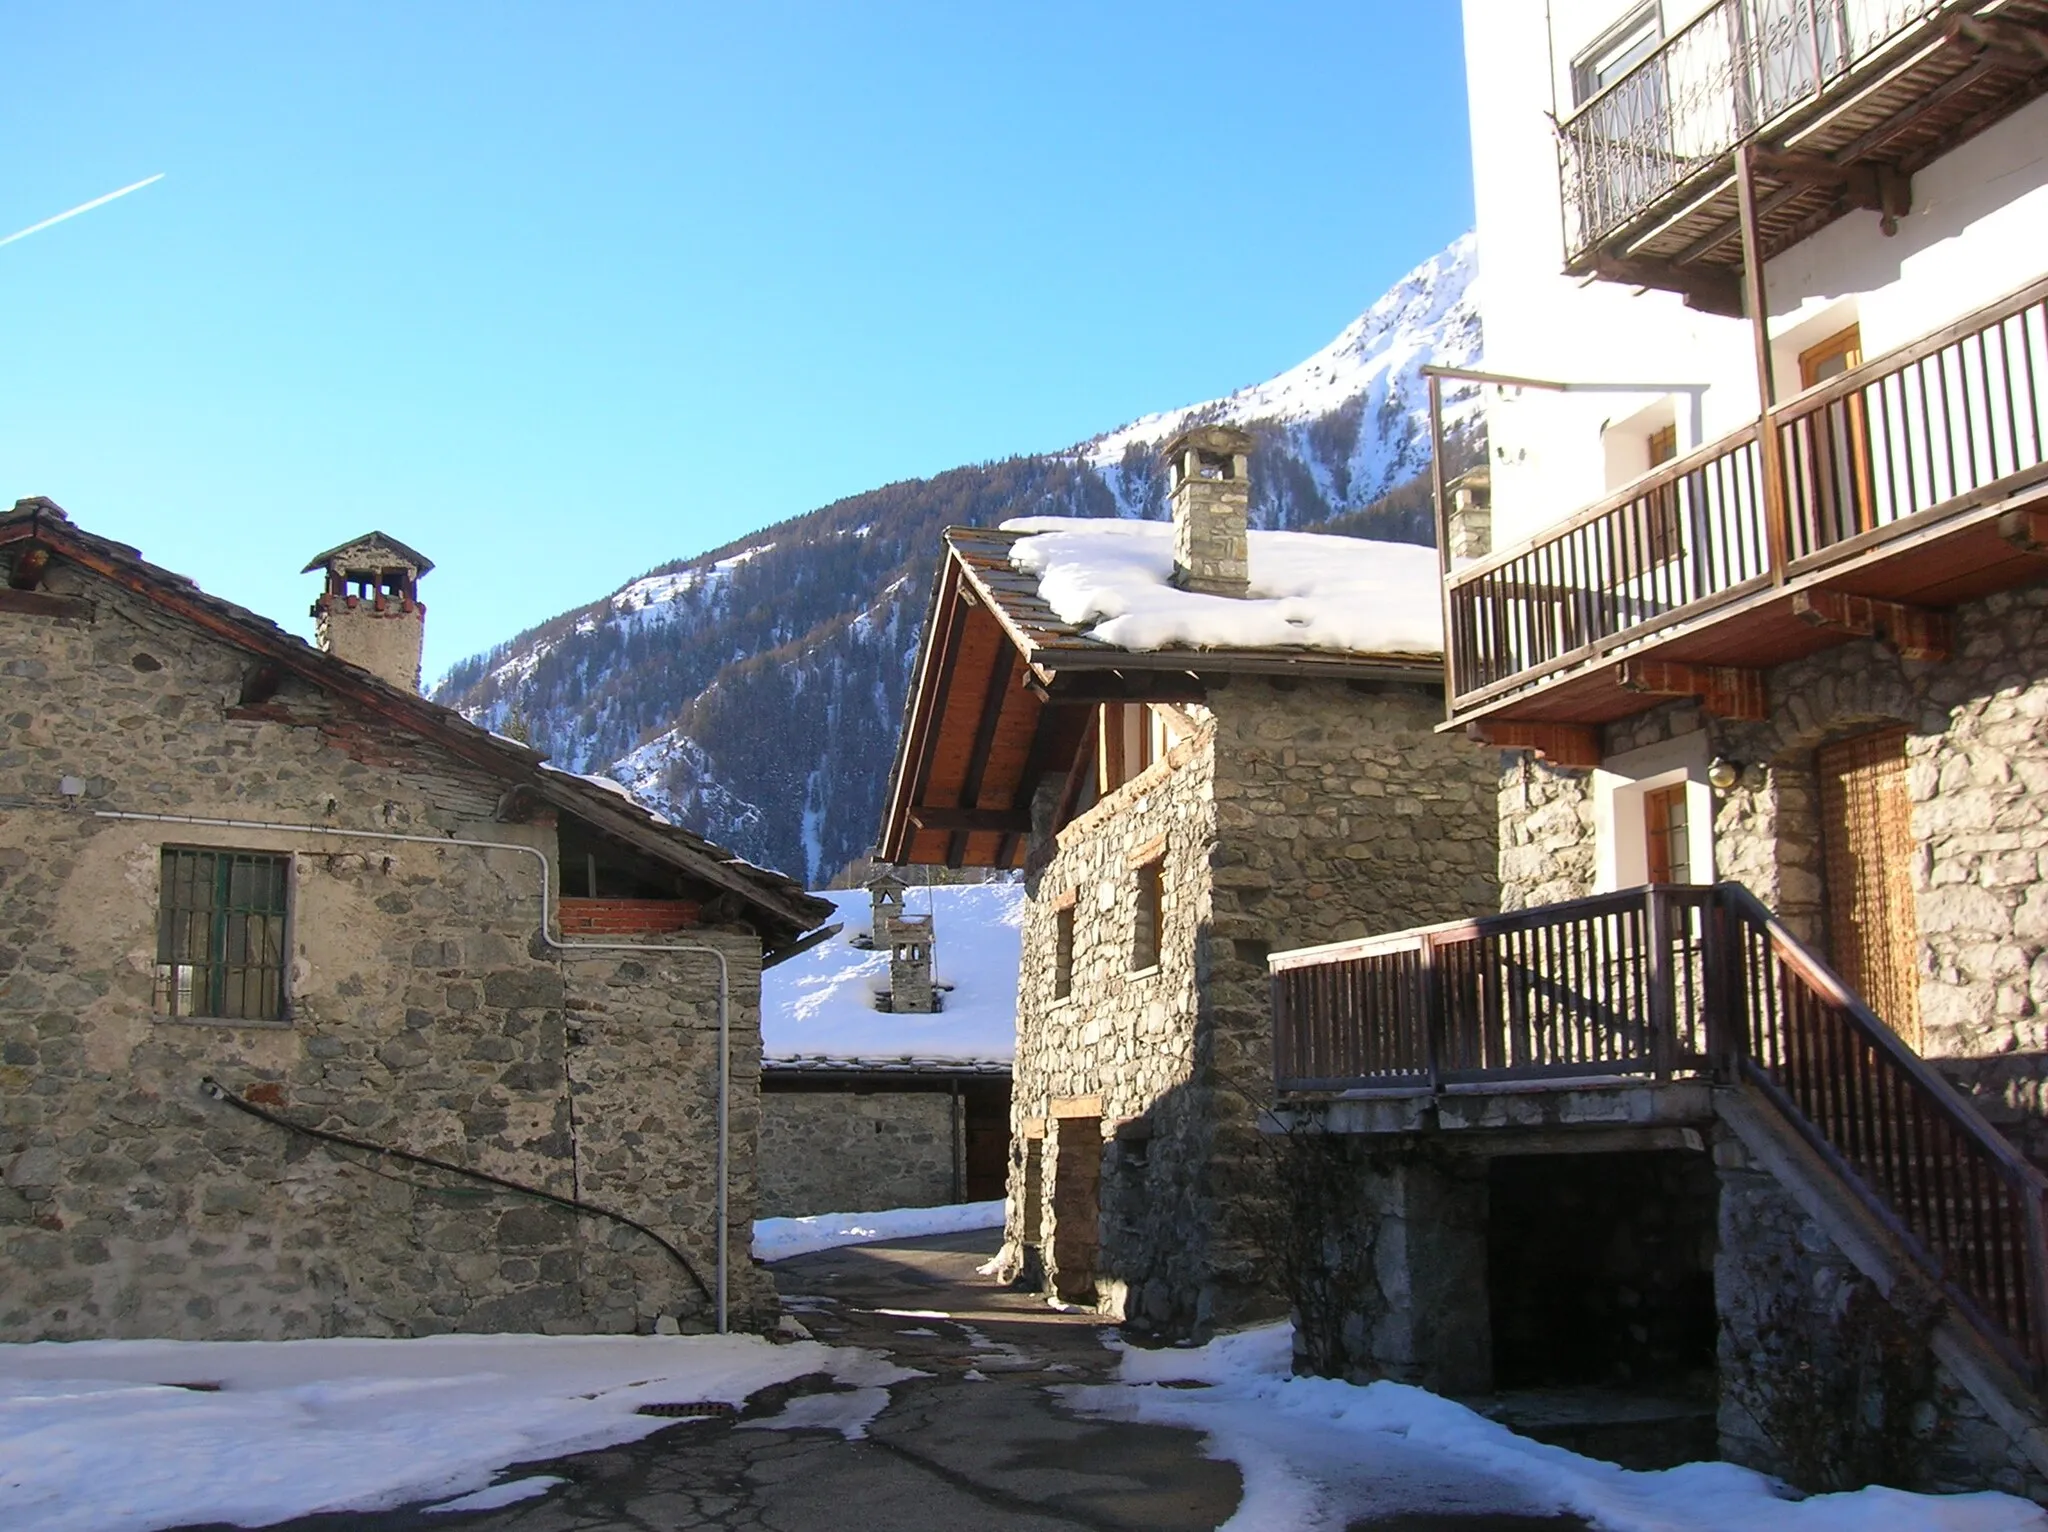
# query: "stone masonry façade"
1296 813
1977 755
425 1014
855 1152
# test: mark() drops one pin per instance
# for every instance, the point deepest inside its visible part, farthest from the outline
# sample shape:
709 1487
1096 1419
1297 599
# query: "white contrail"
83 207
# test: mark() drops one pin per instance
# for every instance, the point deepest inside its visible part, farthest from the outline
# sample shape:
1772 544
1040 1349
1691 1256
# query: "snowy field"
777 1239
129 1436
1318 1454
821 1003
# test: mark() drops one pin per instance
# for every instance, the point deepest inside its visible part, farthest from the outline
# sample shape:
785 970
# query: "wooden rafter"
1725 691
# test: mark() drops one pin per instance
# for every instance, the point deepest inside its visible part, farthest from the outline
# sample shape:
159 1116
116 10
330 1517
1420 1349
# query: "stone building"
324 1012
867 1103
1200 742
1763 624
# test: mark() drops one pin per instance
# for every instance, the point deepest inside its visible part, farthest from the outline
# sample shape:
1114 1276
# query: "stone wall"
1977 752
855 1151
1298 813
1827 1382
424 1014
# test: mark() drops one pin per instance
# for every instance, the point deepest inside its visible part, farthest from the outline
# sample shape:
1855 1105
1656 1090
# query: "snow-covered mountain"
753 692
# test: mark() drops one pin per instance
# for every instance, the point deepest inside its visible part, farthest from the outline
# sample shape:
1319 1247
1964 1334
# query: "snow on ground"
778 1239
1307 589
98 1436
821 1003
1316 1453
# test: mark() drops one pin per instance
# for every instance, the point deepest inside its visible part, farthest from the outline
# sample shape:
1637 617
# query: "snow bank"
1308 589
1317 1453
777 1239
97 1436
821 1003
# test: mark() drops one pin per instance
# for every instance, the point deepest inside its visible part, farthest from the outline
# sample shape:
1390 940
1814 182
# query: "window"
1616 51
1663 530
1145 916
1666 835
1063 952
1126 742
220 934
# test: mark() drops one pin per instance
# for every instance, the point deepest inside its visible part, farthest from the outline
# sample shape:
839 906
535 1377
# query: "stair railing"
1654 983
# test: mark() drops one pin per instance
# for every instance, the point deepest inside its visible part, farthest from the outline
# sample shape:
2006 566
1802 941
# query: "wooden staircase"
1668 982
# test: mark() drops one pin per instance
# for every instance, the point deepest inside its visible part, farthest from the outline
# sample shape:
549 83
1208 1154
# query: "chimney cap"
1211 437
361 547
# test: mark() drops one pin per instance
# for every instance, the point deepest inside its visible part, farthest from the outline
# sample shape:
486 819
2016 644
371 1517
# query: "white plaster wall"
1621 859
1978 229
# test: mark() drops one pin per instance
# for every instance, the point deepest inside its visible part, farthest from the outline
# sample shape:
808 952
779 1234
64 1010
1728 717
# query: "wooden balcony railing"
1718 80
1896 444
1653 983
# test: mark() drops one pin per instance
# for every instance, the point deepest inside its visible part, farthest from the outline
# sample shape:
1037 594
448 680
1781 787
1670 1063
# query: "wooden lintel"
1575 745
2025 530
26 572
968 821
41 603
1725 691
1913 632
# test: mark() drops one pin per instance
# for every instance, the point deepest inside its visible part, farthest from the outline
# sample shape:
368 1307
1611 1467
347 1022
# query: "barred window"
220 935
1145 918
1063 952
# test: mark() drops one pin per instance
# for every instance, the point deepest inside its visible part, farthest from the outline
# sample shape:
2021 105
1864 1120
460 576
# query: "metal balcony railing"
1720 79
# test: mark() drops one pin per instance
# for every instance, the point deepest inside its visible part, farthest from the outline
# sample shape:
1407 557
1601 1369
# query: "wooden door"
1076 1207
1839 445
1867 846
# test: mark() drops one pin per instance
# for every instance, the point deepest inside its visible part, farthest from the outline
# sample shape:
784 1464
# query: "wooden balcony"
1864 507
1841 101
1664 986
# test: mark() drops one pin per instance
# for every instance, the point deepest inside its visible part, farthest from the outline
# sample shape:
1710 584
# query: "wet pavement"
981 1442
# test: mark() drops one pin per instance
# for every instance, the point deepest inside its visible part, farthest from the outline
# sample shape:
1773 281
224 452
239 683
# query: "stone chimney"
1470 516
370 613
910 966
1207 484
885 904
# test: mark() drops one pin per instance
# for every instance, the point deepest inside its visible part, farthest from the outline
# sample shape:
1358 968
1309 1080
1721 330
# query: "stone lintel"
1521 1119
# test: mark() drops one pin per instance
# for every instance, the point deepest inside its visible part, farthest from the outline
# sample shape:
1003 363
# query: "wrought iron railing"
1654 983
1906 437
1729 72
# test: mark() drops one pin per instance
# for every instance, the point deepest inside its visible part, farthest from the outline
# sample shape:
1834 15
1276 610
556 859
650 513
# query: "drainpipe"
724 972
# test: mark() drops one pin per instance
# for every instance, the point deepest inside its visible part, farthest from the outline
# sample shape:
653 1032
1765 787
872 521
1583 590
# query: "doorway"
1873 928
1076 1208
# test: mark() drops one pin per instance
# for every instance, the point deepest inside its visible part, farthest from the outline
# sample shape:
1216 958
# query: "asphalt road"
980 1443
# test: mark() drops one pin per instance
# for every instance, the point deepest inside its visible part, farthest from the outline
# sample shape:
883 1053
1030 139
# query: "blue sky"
558 293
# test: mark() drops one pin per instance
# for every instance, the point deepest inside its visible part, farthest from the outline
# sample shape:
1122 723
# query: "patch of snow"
1317 1453
511 1492
821 1003
1307 589
778 1239
97 1436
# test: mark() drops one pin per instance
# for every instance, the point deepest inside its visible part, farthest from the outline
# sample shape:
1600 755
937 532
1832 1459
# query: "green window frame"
220 934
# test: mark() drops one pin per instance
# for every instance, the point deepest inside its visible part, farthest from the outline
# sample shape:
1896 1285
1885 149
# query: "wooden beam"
2025 530
1913 632
985 728
1073 688
1725 691
2019 46
41 603
1575 745
1077 776
967 821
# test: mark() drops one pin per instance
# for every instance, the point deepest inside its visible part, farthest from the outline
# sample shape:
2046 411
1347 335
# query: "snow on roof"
821 1003
1308 589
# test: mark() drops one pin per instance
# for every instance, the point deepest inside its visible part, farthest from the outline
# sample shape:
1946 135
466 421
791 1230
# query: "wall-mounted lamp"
1724 775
